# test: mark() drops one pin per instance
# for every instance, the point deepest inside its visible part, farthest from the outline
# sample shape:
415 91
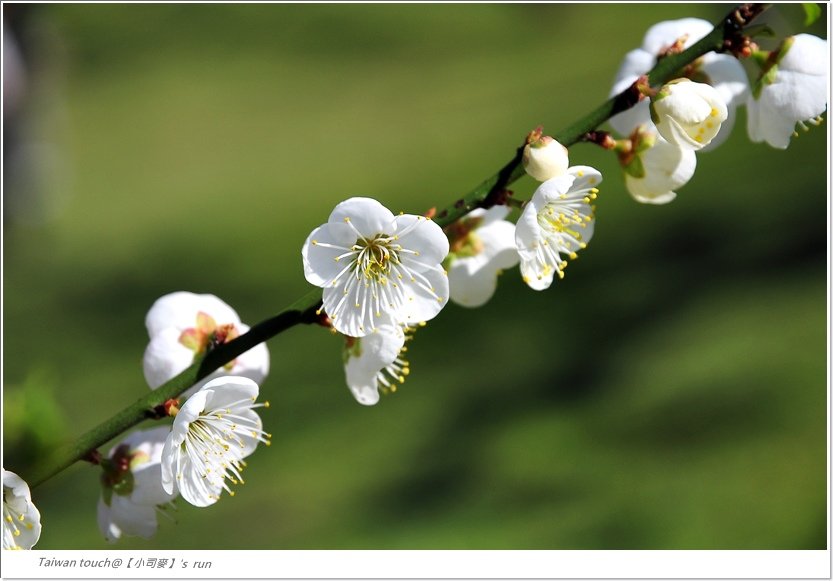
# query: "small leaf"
759 31
812 11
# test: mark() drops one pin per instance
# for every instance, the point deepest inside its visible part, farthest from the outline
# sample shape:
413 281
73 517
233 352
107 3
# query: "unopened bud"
688 114
545 158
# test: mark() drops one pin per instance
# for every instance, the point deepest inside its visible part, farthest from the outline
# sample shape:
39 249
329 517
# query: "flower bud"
655 171
688 114
545 158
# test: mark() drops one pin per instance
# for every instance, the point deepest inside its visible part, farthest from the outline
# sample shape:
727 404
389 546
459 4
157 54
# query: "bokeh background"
670 392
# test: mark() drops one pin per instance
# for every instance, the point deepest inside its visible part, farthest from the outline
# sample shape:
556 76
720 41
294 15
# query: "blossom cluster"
696 112
385 275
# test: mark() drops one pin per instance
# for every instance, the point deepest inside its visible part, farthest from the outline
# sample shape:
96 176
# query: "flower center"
206 335
376 256
215 443
463 242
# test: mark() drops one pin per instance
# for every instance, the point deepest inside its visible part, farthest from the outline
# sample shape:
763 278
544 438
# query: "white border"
424 564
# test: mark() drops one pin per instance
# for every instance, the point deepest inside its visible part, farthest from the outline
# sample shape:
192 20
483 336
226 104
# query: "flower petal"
321 255
359 217
426 297
423 237
165 357
179 310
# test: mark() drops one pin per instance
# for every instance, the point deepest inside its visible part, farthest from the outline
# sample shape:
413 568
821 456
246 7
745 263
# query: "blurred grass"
669 393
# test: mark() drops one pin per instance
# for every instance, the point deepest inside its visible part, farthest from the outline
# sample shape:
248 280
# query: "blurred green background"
670 392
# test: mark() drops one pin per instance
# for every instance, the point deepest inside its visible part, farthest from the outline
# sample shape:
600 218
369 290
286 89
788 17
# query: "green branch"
304 310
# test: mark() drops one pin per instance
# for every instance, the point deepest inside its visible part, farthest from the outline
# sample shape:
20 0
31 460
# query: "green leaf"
812 11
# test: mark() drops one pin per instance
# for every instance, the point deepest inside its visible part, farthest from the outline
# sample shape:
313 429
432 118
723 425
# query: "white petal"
350 313
667 168
165 357
147 485
425 298
808 55
663 34
551 190
131 518
586 177
499 244
363 215
180 310
378 350
17 497
493 214
172 310
727 76
225 391
423 236
533 275
471 288
527 231
108 528
319 254
636 63
148 442
362 385
254 363
796 96
766 125
169 458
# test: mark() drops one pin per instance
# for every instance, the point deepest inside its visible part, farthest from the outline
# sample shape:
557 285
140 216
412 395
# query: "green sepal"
812 11
644 142
654 116
107 495
125 485
353 348
766 78
634 168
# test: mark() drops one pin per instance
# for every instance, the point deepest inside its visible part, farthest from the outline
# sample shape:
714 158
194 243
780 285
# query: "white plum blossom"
661 169
373 265
132 490
688 114
212 433
558 220
21 519
722 71
544 158
792 90
376 362
482 246
183 326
